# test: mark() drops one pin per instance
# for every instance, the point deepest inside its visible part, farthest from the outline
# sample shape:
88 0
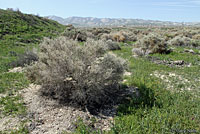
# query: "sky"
164 10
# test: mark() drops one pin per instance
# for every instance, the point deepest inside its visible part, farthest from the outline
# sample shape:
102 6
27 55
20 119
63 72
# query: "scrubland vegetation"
85 67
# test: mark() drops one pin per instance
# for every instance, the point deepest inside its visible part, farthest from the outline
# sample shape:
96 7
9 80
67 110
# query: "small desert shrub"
74 34
150 44
168 36
90 35
196 37
97 31
111 45
183 41
119 36
140 36
25 59
131 37
105 37
115 36
139 52
85 74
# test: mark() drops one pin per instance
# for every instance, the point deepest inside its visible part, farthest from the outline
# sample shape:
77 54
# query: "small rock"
189 51
127 74
178 62
189 65
172 74
68 79
124 81
16 69
135 56
32 126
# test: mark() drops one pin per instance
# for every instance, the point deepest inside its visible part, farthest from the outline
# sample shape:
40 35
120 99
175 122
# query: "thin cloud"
182 3
96 1
197 2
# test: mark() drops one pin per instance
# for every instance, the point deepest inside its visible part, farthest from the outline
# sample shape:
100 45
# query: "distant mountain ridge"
99 22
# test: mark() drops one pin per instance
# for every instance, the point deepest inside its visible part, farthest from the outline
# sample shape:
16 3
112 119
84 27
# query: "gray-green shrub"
75 34
183 41
25 59
111 45
84 74
150 44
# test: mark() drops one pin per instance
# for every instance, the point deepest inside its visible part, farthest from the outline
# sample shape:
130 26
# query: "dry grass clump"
150 44
119 36
85 75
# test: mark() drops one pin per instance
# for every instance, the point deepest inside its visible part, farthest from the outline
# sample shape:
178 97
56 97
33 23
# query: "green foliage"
158 110
20 31
11 105
10 82
13 23
82 128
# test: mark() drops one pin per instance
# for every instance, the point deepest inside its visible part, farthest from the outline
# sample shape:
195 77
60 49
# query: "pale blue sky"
168 10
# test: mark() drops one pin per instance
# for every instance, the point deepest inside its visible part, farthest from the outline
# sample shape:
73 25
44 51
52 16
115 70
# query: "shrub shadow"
108 106
146 99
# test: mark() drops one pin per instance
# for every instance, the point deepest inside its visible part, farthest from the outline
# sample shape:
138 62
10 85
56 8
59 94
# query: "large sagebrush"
83 74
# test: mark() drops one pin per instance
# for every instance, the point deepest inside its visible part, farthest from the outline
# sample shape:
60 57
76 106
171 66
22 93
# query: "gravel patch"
175 81
170 63
47 116
9 123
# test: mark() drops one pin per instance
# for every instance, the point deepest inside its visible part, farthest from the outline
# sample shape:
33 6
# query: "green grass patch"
157 110
10 82
186 57
12 105
19 32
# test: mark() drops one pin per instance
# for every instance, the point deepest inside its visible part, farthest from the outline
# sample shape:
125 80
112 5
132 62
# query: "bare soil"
47 116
